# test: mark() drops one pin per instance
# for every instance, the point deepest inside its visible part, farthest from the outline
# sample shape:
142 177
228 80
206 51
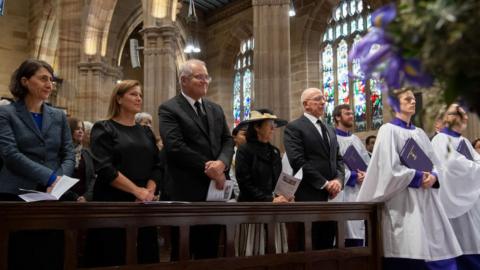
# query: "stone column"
160 72
97 81
271 59
69 49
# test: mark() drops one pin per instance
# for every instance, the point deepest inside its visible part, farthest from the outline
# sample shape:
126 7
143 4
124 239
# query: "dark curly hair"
27 69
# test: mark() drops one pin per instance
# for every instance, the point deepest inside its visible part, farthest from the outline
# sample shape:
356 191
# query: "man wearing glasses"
199 148
312 146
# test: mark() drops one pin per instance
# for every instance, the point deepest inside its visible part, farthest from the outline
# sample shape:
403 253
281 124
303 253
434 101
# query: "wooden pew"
75 217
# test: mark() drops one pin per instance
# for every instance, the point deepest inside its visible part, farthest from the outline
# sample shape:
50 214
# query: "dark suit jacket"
31 155
188 146
305 150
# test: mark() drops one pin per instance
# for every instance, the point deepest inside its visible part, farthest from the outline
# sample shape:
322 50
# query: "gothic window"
341 79
243 82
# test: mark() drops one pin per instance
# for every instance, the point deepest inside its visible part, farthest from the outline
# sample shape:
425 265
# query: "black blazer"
305 150
189 146
257 168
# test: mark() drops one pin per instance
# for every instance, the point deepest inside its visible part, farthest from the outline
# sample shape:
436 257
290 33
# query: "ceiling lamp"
192 45
291 10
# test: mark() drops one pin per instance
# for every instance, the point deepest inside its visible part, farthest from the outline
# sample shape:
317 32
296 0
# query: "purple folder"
463 149
353 160
413 157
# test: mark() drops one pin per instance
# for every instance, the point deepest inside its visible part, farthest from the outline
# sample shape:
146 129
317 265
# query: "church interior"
259 54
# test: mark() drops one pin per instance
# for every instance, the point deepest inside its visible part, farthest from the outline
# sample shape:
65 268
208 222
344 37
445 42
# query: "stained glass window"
243 82
359 95
341 79
342 73
328 81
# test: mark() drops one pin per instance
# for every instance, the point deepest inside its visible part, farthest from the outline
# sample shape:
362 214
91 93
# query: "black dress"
131 150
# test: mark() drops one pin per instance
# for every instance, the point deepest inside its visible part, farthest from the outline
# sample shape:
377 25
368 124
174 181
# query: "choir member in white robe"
343 116
460 192
416 231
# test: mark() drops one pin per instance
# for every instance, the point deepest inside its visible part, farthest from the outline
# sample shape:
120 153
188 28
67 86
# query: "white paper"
287 169
217 195
287 185
62 185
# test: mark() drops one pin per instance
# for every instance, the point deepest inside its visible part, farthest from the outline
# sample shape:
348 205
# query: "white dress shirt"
191 101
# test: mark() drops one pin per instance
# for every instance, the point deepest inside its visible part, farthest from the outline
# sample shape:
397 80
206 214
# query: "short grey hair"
186 68
306 93
142 115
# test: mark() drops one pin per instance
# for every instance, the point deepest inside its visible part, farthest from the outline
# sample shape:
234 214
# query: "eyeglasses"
317 98
201 77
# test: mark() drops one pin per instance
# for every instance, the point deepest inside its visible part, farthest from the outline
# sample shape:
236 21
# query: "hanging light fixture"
291 10
192 45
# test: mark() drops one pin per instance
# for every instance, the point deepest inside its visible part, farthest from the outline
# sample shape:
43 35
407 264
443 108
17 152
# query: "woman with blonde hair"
460 192
128 168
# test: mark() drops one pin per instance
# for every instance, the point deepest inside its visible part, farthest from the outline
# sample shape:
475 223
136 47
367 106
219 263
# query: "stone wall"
14 44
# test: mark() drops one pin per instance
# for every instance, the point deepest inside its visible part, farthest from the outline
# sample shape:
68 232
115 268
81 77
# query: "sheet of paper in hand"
287 185
62 185
220 195
413 157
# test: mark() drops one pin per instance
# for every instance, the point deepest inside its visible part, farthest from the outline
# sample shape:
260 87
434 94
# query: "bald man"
312 145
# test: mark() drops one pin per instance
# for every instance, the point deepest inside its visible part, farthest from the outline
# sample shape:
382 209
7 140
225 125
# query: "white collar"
312 118
190 100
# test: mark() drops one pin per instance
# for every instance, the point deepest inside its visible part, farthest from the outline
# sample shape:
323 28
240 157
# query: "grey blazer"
31 155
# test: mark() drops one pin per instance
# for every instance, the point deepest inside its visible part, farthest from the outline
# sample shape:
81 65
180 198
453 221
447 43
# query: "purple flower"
371 61
392 73
384 15
394 103
413 73
362 48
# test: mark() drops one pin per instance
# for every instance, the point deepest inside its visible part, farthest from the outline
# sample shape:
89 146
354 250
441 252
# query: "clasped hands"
428 180
215 170
146 194
333 187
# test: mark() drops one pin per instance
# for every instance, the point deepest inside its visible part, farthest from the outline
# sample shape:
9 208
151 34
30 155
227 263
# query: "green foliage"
445 36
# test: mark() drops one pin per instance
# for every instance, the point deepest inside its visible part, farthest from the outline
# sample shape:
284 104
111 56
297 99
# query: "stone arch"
45 38
229 49
97 26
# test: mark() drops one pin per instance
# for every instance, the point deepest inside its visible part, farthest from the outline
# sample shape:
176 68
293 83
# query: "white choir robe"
414 222
460 190
355 229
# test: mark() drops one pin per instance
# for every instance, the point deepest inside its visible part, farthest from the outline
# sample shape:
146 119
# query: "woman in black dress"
258 166
128 168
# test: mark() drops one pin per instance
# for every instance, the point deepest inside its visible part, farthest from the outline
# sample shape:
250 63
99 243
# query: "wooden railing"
73 218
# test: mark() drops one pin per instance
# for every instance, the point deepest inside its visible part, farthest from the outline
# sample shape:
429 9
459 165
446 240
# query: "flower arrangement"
425 42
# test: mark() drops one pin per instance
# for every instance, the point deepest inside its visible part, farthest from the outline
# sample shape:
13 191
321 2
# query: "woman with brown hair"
128 168
84 168
36 147
258 166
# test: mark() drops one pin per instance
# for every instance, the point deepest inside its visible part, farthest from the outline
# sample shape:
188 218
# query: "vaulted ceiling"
209 5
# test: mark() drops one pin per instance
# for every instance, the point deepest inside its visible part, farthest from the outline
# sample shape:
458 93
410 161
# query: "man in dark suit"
198 146
312 146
